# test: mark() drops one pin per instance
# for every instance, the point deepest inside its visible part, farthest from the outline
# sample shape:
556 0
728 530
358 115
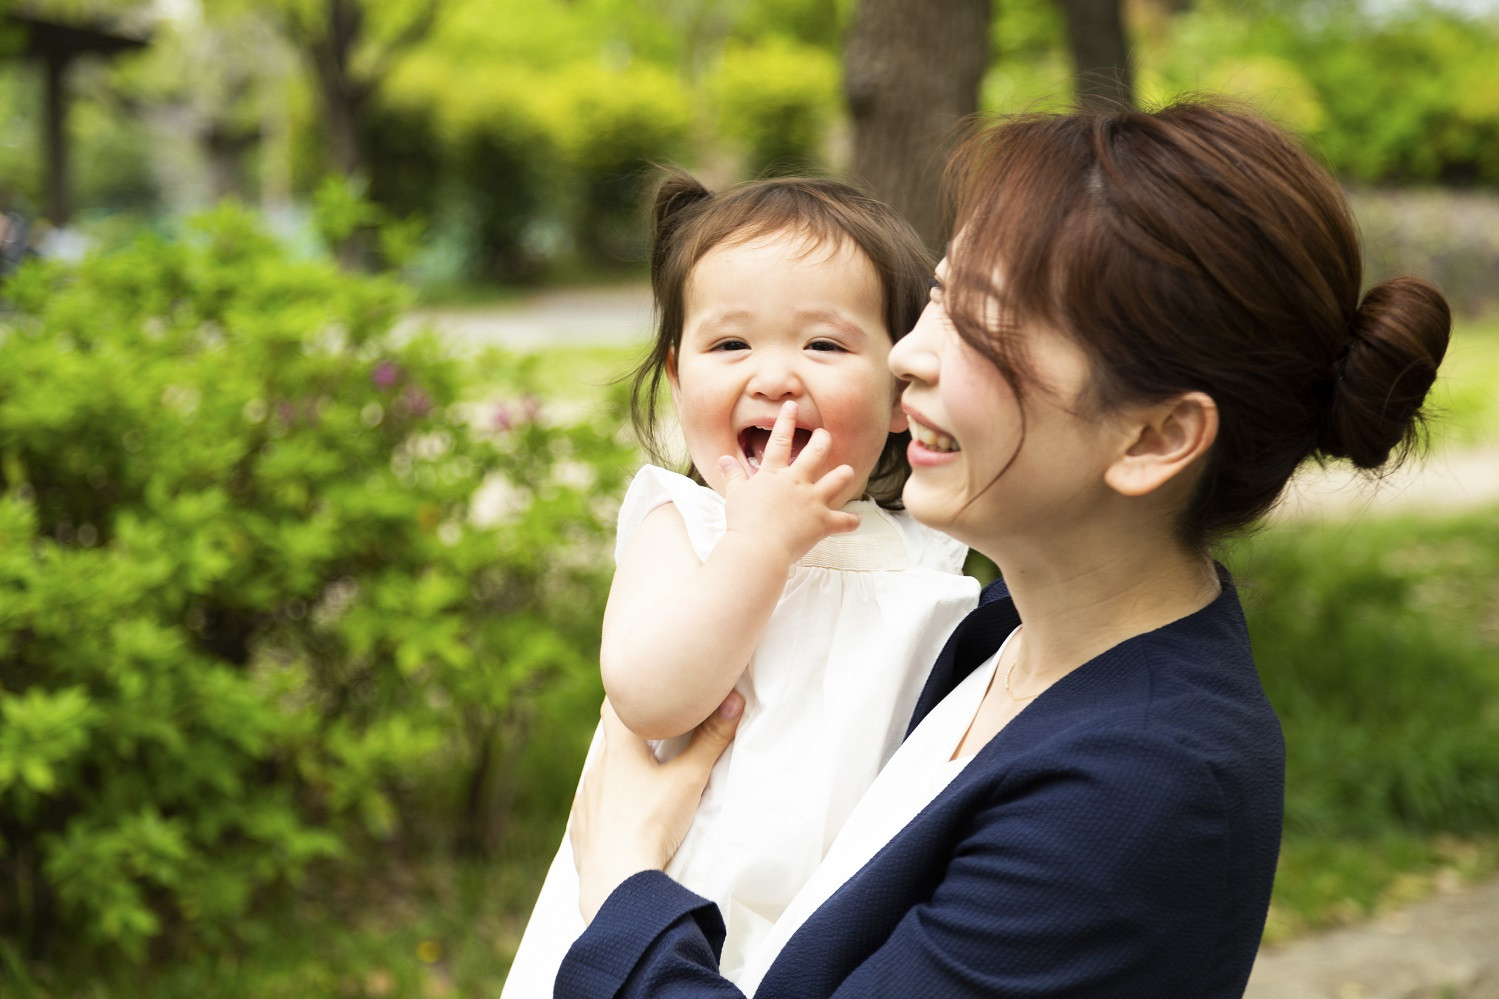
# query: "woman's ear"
1168 437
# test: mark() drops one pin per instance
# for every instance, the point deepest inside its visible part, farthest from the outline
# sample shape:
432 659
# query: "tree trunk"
1100 53
343 97
910 72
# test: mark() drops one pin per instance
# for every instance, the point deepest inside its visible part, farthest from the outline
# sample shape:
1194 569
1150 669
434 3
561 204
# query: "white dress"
919 771
828 695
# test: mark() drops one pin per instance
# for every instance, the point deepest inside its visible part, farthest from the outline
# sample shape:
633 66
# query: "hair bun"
1396 340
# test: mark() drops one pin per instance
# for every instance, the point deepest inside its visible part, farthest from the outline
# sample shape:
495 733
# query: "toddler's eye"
731 345
824 345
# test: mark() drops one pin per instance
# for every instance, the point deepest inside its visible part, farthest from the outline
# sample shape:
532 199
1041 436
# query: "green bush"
483 165
611 124
1377 647
776 100
1392 100
272 592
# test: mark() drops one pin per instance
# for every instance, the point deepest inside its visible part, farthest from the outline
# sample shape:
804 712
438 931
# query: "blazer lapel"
977 637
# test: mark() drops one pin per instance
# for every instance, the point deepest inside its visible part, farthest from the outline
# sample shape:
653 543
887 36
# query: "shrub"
610 125
775 101
270 587
1401 99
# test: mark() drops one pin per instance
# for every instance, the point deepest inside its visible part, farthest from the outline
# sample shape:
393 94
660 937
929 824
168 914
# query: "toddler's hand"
790 503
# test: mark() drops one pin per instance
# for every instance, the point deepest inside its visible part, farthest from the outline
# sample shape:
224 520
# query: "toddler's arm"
678 632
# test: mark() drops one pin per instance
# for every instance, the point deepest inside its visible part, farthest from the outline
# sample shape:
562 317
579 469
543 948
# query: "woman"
1144 325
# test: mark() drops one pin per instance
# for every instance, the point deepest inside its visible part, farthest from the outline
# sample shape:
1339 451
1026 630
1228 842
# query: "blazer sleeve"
651 938
1097 875
1100 875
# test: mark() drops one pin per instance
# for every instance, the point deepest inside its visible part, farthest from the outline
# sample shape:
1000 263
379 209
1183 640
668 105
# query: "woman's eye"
934 288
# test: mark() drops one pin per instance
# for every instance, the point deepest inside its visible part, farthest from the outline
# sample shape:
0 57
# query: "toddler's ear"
1166 439
898 419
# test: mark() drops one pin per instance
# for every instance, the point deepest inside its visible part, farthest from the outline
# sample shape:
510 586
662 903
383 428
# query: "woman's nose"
913 356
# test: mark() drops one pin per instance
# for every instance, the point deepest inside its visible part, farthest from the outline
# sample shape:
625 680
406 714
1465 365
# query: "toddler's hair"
1197 247
688 221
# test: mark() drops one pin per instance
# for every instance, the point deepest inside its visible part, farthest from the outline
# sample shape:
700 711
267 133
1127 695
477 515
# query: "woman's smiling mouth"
932 440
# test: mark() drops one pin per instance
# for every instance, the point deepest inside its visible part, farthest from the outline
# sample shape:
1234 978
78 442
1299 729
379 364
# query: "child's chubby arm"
678 633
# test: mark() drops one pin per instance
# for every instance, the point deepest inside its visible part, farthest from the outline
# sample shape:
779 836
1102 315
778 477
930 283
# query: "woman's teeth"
933 440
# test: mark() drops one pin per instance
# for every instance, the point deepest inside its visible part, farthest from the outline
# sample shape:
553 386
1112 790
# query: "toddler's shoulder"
701 509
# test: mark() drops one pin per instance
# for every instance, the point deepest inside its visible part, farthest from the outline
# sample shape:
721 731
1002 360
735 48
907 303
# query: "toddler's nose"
776 379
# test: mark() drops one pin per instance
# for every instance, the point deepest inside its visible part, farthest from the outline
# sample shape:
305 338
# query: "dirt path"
1452 480
564 317
1443 948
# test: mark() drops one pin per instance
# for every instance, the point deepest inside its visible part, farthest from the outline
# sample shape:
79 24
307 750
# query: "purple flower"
385 375
417 401
500 420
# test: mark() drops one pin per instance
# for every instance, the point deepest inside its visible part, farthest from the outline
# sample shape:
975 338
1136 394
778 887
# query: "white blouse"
920 769
828 695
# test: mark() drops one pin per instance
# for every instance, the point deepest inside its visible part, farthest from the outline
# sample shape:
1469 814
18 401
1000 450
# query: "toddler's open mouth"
752 442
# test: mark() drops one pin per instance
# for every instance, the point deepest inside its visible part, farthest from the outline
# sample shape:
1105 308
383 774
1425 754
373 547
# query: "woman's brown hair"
1197 247
688 221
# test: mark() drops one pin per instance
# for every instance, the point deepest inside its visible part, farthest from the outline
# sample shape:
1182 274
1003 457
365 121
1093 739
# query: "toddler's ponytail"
679 194
1396 339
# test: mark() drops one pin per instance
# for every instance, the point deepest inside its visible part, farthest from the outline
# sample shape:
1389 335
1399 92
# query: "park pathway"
569 317
1444 948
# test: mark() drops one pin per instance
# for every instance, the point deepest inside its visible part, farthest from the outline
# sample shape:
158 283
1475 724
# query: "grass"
1378 643
1465 400
570 375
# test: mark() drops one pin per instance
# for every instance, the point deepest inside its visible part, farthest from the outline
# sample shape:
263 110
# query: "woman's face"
986 468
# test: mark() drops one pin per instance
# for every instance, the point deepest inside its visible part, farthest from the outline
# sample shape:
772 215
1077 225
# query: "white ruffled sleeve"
701 509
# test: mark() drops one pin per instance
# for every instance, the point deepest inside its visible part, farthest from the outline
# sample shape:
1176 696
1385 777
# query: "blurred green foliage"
522 130
1378 643
272 590
776 102
1406 97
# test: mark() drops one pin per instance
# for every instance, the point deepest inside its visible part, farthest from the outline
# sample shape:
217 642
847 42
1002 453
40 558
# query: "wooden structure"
54 45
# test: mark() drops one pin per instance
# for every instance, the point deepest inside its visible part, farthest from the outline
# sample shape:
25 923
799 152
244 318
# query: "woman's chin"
932 505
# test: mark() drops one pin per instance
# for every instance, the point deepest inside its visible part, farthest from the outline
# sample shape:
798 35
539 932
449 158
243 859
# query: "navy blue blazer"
1117 838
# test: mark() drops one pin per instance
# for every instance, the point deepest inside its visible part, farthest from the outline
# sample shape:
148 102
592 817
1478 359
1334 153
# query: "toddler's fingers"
782 434
842 522
733 471
835 487
815 451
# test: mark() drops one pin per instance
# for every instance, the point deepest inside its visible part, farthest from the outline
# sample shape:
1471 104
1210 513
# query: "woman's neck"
1081 600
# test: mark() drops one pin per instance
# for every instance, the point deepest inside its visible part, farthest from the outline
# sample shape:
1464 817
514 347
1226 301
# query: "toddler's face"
780 318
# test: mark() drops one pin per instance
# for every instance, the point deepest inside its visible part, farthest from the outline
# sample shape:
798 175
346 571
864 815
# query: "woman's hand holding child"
631 810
